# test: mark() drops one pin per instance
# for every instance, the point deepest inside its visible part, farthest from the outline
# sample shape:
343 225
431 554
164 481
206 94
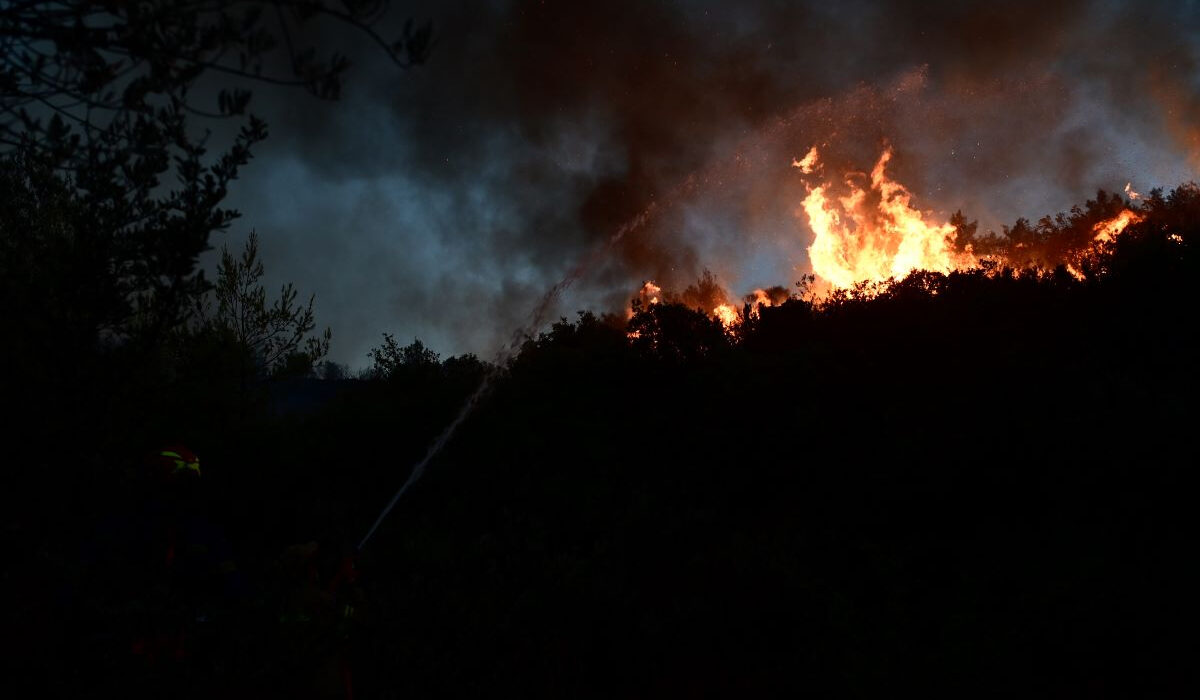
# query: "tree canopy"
103 95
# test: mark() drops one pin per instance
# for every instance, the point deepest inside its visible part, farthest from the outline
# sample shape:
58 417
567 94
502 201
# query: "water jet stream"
536 318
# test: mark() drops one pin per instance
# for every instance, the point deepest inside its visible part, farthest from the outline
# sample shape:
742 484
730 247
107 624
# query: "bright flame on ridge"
871 235
1108 230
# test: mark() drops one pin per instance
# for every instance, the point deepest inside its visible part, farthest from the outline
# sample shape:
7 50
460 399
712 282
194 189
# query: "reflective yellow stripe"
168 453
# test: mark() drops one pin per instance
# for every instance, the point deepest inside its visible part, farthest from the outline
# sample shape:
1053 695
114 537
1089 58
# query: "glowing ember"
871 235
1109 229
1129 191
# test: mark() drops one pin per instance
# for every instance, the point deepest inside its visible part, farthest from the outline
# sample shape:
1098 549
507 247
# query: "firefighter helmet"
178 461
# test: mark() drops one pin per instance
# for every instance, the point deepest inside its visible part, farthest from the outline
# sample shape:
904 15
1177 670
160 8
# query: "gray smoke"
445 201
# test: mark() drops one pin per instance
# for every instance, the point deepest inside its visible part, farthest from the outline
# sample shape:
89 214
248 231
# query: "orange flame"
758 299
808 162
650 293
871 235
1109 229
1105 232
726 314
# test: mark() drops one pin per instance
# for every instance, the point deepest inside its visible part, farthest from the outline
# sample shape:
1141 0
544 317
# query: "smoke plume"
444 201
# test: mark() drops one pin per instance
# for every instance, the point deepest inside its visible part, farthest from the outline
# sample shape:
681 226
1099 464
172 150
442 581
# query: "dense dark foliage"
110 189
973 480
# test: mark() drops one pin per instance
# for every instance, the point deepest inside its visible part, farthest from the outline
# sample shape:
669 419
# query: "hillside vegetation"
974 480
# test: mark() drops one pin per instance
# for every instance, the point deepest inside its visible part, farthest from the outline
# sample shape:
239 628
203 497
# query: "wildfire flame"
808 163
729 315
870 232
726 314
1105 232
873 234
1109 229
1075 272
650 293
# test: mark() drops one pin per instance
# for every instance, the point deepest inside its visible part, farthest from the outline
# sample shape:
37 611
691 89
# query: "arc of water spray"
538 315
770 135
536 318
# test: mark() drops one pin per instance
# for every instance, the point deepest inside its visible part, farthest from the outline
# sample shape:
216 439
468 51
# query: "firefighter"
190 583
319 602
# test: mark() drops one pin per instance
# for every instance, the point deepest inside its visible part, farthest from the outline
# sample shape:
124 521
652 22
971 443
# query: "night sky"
442 202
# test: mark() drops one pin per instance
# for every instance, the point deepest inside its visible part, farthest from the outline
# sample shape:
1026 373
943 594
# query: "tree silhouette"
675 333
964 231
390 361
77 72
103 91
270 337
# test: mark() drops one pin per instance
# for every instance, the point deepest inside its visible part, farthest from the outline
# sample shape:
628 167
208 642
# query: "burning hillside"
708 295
868 232
872 232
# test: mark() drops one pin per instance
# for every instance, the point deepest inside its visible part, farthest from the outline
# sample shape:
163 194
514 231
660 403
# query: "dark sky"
442 202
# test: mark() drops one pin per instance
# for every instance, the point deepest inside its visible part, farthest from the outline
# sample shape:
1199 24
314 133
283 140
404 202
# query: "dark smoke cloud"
442 202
